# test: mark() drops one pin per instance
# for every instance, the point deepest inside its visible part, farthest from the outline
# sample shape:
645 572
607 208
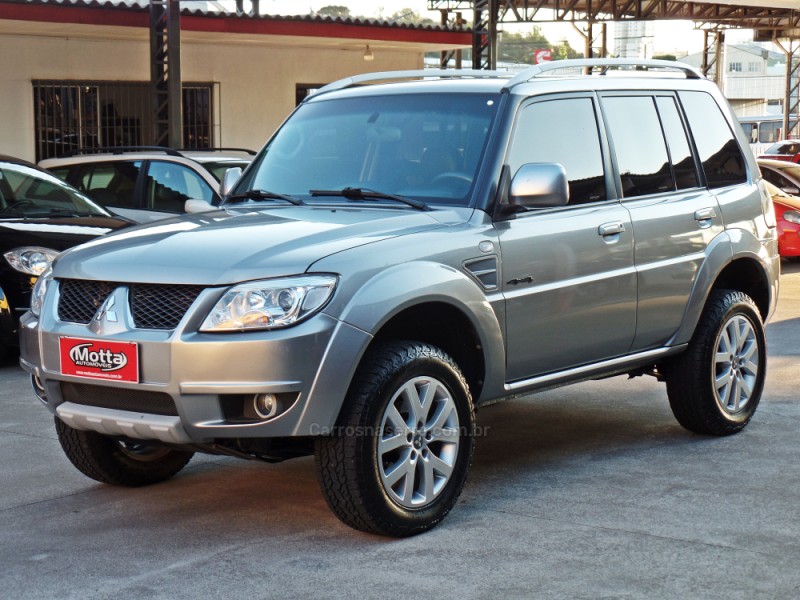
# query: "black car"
40 216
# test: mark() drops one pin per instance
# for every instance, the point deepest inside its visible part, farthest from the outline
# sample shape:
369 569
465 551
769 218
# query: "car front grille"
100 396
153 306
161 306
79 299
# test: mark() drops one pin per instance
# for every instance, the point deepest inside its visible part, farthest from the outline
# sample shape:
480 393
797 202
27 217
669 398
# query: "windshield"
27 192
423 146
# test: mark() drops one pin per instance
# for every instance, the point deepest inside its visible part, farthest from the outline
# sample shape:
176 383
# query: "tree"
334 10
519 48
409 16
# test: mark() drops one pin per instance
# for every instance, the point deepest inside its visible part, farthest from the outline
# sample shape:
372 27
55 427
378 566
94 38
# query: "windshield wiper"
264 195
352 193
61 212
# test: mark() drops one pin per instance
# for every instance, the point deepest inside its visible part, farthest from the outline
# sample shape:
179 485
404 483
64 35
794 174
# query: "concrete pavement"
588 491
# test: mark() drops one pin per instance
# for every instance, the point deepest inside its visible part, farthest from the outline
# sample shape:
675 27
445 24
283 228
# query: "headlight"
31 260
39 290
792 216
270 304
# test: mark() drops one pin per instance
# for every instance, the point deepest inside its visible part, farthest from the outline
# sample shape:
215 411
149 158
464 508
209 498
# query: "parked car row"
40 216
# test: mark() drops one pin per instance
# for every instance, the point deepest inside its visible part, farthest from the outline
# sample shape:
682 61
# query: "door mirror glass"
229 180
539 185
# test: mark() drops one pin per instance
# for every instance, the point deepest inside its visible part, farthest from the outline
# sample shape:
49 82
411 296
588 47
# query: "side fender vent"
484 270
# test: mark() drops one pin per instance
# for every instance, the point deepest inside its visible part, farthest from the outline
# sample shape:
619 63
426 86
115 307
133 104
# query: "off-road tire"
691 376
347 462
107 460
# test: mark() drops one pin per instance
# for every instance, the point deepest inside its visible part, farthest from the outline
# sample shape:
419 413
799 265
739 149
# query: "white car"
148 183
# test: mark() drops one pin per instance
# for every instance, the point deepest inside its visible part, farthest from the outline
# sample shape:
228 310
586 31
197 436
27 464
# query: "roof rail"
417 74
245 150
122 149
603 63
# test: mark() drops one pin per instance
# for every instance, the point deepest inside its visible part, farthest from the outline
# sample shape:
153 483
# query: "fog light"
266 405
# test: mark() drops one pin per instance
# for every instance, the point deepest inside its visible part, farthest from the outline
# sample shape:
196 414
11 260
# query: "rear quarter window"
722 159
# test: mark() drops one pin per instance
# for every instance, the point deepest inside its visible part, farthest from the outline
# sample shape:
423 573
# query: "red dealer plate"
100 359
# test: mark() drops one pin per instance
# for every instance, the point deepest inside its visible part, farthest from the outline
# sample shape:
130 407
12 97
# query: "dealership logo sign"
102 359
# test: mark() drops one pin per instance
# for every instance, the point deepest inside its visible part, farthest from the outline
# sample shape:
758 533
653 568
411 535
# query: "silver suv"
403 252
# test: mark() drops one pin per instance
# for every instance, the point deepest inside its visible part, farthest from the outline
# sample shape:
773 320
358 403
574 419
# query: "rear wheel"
131 463
715 386
399 458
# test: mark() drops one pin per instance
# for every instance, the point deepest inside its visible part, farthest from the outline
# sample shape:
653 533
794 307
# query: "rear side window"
721 156
111 183
640 149
563 131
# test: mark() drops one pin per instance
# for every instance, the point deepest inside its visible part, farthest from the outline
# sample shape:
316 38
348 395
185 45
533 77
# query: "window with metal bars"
81 115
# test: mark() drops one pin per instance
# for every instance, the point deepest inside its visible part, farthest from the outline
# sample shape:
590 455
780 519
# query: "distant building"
754 79
634 39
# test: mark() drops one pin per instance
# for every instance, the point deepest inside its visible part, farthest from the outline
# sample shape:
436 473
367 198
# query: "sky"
670 36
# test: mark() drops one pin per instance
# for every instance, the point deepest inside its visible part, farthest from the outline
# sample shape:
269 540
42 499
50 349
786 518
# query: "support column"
713 65
484 34
791 97
165 72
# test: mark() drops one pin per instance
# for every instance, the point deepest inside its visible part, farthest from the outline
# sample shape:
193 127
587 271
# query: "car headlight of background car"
39 290
31 260
270 304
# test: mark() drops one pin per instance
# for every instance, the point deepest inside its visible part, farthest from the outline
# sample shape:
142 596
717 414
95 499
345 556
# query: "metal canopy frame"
777 21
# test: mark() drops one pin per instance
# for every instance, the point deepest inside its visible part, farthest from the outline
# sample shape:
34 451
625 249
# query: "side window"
679 150
61 172
722 159
639 145
170 185
562 131
111 183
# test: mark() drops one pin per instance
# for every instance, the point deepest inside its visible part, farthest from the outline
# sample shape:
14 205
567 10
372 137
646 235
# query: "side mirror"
197 206
539 185
229 180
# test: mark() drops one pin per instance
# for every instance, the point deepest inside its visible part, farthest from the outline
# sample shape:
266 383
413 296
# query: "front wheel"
128 463
398 459
715 386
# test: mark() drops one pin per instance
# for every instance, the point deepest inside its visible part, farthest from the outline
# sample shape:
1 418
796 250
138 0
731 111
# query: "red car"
787 213
786 150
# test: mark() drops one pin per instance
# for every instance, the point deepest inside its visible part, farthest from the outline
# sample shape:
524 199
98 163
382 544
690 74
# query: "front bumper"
209 377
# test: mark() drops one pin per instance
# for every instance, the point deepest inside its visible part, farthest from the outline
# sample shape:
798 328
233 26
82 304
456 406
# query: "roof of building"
136 14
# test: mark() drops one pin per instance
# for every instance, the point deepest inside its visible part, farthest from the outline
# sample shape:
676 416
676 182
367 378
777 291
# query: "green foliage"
334 10
519 48
409 16
671 57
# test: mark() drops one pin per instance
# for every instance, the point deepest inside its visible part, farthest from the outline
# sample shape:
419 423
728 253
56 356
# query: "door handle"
611 228
704 214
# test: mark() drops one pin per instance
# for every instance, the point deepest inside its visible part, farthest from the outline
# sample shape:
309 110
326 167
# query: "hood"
229 246
56 233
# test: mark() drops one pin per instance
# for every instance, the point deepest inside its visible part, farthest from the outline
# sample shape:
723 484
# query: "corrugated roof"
143 6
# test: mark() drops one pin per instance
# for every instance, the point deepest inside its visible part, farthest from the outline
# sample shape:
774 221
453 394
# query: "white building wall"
256 81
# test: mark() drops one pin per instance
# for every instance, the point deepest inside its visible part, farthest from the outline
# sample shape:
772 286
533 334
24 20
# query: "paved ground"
590 491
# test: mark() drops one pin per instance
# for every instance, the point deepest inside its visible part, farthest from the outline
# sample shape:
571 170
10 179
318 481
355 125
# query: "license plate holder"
99 359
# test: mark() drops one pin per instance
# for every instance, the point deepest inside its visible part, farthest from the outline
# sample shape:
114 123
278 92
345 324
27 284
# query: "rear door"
568 275
674 216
